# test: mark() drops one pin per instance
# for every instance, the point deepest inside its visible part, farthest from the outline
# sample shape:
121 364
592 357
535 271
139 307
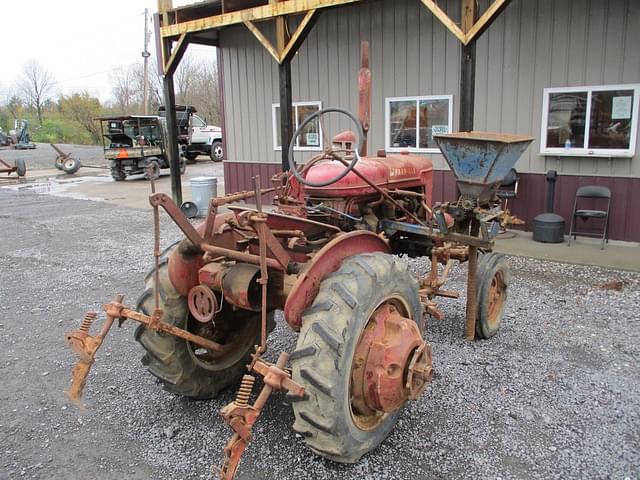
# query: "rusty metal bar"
164 201
117 310
236 197
240 256
264 275
472 305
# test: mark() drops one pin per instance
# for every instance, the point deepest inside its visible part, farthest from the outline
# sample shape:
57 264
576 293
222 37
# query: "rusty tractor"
327 252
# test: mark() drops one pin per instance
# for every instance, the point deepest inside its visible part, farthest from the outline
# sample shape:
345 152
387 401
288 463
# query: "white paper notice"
621 108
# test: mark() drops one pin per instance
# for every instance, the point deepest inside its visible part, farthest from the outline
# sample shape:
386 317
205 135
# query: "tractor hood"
391 171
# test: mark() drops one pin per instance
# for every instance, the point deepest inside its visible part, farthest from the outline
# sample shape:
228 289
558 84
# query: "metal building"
564 71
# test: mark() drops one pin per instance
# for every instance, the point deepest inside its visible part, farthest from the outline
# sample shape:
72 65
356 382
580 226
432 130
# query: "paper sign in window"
621 108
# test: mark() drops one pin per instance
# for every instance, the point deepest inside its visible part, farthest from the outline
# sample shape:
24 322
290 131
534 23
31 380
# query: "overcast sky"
78 41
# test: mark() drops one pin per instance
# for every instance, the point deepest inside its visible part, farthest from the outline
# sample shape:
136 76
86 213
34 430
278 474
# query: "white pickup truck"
195 136
205 140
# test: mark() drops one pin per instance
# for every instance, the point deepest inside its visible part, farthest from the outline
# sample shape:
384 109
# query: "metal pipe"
116 310
240 256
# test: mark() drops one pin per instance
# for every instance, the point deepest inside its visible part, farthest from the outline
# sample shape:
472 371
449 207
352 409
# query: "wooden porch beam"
176 55
486 19
264 12
262 39
445 20
468 33
298 36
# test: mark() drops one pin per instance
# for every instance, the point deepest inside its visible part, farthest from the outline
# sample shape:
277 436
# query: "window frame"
276 120
417 99
586 151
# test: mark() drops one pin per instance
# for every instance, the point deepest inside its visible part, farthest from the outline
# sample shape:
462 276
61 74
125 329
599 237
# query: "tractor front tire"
182 367
324 355
492 281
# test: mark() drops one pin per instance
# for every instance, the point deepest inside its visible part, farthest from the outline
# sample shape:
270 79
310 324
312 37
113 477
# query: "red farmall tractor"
328 253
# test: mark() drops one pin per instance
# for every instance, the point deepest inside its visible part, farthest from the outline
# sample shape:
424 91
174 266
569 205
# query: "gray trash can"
202 189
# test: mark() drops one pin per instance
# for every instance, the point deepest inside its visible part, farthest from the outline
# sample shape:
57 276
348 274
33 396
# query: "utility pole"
145 56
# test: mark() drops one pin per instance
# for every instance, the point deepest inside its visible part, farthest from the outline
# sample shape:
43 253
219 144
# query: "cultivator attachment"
86 346
241 416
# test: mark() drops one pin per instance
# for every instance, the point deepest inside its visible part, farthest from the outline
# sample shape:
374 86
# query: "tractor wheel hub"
392 363
202 303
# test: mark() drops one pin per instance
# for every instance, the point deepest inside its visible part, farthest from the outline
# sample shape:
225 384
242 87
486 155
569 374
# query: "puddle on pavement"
60 187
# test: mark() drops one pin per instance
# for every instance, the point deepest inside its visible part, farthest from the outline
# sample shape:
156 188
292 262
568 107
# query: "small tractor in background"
20 136
328 253
135 144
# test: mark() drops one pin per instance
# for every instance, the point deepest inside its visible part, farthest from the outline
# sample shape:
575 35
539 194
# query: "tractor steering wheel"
329 152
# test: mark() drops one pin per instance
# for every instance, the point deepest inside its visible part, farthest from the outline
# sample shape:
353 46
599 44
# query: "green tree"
83 108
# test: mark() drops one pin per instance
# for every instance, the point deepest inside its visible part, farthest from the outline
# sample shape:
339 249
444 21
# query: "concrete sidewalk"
583 251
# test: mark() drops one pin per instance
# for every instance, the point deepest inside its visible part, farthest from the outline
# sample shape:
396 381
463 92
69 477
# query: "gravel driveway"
554 395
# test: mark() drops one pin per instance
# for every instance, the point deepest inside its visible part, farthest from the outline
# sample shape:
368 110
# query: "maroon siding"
237 176
532 194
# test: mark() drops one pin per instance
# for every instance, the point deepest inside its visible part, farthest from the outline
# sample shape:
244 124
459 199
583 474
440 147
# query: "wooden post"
171 147
284 71
467 68
286 117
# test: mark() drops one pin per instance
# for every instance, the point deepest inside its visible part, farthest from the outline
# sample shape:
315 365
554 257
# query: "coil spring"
87 321
244 392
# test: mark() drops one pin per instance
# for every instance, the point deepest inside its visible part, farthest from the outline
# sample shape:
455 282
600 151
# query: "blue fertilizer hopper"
481 160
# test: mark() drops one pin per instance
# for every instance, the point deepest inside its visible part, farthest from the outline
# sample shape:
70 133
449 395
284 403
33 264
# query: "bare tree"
196 83
125 91
36 85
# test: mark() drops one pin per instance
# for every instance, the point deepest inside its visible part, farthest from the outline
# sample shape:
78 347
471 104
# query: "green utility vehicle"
134 145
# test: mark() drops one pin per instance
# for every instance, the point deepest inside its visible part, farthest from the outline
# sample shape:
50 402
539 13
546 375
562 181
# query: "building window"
411 122
311 137
590 121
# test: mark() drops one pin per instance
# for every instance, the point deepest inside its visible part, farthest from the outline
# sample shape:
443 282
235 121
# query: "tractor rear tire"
491 291
323 358
176 362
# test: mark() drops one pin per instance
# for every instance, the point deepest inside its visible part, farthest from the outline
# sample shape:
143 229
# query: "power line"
95 74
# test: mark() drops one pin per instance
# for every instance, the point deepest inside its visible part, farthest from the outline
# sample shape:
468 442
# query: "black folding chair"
508 190
591 192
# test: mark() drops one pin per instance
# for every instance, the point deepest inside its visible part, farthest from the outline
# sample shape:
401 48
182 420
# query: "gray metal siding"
555 43
531 46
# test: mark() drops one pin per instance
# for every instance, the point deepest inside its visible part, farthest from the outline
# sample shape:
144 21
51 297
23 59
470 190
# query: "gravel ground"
43 156
554 395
